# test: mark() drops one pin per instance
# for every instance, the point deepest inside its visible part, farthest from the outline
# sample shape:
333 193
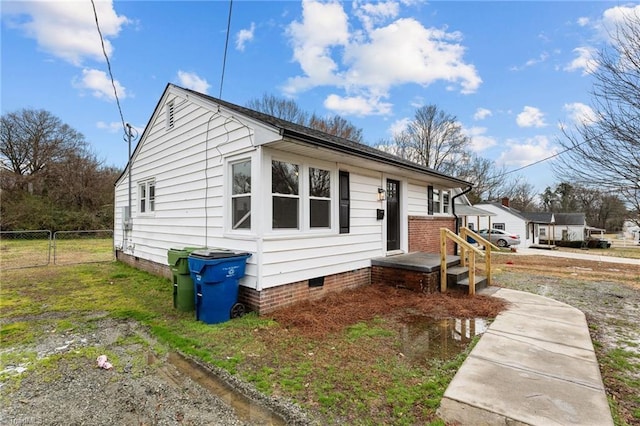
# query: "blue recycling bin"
215 274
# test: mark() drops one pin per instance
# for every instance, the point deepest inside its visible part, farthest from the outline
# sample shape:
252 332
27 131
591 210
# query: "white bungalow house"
312 209
505 218
567 227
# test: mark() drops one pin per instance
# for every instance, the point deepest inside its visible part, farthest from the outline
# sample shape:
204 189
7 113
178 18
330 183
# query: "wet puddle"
424 339
245 409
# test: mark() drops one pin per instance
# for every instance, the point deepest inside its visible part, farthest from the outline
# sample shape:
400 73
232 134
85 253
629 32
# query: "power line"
226 46
106 57
594 137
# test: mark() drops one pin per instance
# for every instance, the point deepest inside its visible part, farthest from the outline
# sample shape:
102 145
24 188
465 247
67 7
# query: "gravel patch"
57 381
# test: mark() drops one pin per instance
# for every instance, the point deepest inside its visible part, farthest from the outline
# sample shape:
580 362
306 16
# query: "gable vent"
170 115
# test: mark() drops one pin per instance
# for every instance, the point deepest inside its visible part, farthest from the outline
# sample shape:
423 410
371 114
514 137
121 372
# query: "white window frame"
228 194
311 198
438 200
501 226
298 197
304 198
147 197
232 196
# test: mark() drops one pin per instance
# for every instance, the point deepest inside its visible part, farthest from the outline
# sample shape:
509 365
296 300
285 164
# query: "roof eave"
371 155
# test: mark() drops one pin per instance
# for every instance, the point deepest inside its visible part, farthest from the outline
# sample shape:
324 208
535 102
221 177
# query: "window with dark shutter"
344 202
430 200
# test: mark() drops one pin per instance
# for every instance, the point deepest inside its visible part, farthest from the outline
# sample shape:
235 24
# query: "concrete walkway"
535 365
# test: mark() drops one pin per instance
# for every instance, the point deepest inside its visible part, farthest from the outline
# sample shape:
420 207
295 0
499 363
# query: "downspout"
453 210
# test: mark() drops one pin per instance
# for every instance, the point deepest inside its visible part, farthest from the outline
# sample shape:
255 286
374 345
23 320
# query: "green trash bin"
183 295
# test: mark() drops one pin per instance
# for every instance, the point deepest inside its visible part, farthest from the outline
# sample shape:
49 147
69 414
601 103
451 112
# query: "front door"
393 215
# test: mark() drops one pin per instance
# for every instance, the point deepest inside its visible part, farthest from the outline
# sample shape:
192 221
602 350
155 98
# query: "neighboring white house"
567 227
505 218
313 209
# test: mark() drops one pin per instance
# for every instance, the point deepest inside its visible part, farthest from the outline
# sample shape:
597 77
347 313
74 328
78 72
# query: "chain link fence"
26 249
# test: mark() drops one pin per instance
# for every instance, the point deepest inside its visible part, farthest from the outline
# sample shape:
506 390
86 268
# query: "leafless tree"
289 110
49 178
285 109
487 179
604 153
434 139
337 126
522 195
32 139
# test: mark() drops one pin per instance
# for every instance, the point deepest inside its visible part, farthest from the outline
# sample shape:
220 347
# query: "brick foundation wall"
145 265
270 298
276 297
424 233
420 282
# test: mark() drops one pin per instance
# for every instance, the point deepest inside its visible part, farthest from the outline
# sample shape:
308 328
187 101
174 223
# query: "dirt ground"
141 389
70 388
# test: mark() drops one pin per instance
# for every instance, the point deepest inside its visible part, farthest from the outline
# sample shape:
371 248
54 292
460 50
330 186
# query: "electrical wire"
226 46
106 57
571 148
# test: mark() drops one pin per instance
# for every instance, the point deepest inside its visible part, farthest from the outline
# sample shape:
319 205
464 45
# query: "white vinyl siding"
192 167
512 223
188 170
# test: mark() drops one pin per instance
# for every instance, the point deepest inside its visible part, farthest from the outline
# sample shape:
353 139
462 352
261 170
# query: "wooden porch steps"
458 277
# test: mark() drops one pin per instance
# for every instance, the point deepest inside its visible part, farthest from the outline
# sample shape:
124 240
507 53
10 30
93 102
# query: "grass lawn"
365 370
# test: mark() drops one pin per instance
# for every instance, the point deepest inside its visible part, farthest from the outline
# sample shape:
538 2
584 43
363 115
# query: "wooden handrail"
466 248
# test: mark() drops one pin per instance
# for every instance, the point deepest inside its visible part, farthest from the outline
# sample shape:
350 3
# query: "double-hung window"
147 196
241 195
301 196
285 193
439 201
319 198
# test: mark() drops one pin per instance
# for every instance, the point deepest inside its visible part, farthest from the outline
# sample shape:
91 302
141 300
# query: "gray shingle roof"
577 219
538 217
319 138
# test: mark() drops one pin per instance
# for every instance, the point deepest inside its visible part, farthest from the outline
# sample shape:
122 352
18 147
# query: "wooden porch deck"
417 261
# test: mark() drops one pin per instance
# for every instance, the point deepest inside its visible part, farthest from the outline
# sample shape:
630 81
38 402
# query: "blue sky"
510 72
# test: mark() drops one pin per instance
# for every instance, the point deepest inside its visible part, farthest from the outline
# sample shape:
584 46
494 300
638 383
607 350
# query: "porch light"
381 194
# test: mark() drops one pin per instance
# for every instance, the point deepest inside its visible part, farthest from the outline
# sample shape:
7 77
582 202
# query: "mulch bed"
336 311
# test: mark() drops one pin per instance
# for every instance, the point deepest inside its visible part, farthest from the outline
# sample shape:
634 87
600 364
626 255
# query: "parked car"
500 238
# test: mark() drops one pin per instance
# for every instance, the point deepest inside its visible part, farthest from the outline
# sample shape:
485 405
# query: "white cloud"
245 36
191 80
585 60
580 113
583 21
530 117
356 105
371 14
616 15
67 29
522 154
113 127
99 84
482 113
479 140
367 62
399 126
531 62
